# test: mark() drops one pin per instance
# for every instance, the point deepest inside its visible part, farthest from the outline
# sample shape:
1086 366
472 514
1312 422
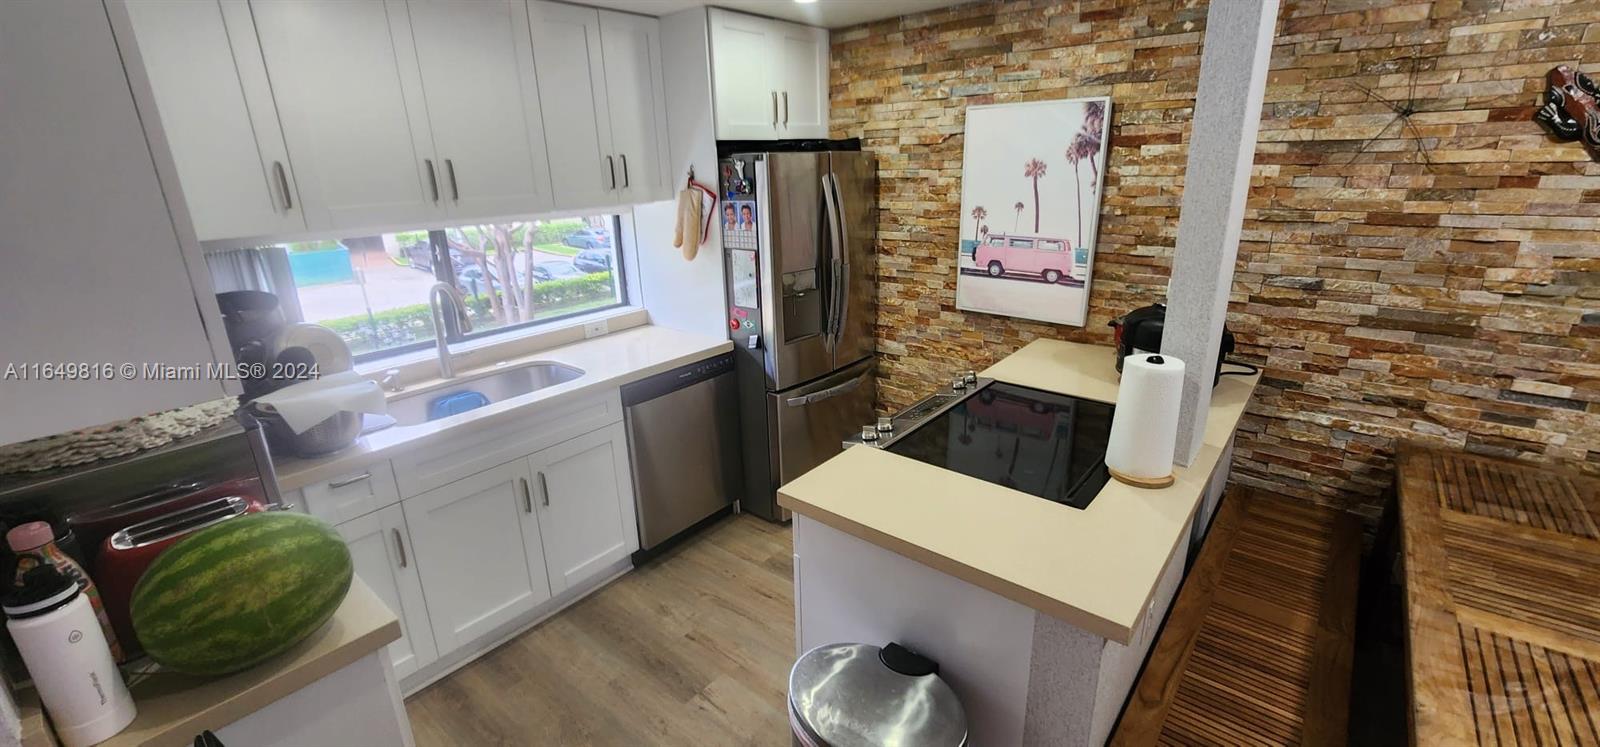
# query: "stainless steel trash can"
859 695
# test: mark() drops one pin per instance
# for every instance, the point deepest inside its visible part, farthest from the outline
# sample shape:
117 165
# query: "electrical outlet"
594 328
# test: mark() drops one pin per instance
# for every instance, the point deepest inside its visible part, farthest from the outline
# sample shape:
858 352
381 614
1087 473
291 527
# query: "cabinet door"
233 165
345 78
95 267
477 548
577 124
742 50
631 46
381 550
802 80
586 511
483 106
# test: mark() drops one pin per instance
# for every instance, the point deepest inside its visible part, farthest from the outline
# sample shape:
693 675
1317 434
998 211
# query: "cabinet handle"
774 108
785 108
433 180
611 166
400 544
527 498
450 171
348 481
544 490
624 158
283 183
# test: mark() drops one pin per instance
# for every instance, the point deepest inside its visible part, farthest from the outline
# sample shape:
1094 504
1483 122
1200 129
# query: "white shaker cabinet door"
230 152
381 550
742 76
476 60
631 46
586 511
344 73
95 269
477 548
802 80
584 172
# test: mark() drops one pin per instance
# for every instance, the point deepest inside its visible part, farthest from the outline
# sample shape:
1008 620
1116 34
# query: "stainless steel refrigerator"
798 235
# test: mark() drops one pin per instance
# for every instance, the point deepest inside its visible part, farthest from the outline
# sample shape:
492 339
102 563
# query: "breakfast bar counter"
1039 613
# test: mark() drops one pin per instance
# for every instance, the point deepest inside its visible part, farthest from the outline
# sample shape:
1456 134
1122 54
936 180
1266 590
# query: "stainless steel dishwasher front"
683 441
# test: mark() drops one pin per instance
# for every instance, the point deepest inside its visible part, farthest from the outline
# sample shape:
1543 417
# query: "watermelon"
233 595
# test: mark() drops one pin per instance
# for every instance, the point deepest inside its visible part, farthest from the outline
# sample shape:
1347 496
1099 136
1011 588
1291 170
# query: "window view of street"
373 290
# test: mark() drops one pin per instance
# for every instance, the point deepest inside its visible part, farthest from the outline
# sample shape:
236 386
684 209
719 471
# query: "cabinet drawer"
446 460
351 495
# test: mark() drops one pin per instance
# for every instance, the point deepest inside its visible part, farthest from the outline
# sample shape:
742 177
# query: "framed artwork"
1031 180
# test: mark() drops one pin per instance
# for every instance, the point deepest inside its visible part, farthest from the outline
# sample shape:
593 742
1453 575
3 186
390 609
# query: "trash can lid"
844 695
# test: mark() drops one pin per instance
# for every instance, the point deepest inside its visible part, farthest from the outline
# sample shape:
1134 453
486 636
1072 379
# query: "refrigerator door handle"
829 393
830 199
841 262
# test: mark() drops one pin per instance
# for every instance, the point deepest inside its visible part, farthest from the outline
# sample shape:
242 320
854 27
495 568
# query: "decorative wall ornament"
1044 160
1403 112
1571 108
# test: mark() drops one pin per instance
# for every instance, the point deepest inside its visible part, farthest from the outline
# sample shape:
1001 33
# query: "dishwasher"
683 440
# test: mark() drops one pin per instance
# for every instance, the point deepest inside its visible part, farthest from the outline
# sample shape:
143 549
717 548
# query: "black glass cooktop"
1045 444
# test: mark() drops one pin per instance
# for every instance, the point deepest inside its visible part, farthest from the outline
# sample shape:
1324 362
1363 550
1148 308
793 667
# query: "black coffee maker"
1139 331
253 320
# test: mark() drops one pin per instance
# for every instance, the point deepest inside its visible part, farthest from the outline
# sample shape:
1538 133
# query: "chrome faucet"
451 296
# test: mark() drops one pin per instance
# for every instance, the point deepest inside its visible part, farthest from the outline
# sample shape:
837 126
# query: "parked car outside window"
592 260
588 238
554 270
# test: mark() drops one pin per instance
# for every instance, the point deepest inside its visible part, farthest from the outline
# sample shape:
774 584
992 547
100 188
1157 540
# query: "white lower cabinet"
464 560
477 546
585 505
380 546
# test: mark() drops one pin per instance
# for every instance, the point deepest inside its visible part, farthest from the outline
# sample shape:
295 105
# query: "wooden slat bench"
1258 646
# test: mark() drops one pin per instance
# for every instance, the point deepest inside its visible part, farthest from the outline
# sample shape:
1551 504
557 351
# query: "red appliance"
126 553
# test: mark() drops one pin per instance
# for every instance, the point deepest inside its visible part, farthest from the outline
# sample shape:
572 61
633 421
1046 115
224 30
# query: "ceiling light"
805 2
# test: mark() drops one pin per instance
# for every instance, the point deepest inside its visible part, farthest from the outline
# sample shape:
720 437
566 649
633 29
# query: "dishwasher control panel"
677 378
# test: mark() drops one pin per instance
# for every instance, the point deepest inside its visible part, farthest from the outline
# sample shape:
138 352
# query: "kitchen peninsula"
1039 613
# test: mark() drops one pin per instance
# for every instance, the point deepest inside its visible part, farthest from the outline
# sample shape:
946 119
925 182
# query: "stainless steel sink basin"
497 386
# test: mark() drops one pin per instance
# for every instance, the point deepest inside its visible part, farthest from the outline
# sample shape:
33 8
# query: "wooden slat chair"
1258 647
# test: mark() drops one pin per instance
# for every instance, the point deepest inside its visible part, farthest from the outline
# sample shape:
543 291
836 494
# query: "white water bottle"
56 631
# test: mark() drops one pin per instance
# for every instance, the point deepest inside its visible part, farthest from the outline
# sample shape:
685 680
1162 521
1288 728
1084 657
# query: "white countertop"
607 362
1095 568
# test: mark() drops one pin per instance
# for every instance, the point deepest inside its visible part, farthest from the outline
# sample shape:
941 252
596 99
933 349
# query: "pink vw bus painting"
1047 258
1031 178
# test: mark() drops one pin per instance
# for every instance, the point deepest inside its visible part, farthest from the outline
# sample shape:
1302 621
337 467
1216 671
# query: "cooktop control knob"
885 425
869 433
958 384
971 377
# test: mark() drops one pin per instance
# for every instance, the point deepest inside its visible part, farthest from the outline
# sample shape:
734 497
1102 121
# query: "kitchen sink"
497 386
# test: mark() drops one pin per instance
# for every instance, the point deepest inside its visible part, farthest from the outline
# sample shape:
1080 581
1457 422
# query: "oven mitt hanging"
686 235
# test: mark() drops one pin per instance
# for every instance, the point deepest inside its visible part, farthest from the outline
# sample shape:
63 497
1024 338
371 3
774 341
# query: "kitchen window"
373 290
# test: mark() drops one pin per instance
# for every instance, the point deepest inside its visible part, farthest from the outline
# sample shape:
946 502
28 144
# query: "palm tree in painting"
1085 146
1018 222
1077 184
978 214
1034 169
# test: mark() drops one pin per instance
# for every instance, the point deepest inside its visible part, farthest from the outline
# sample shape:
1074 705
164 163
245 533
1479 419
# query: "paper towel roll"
1144 430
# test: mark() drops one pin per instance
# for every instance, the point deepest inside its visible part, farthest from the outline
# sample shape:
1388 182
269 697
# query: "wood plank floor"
692 649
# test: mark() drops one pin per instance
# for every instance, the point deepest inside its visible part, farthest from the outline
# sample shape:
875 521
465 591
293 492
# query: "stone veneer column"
1222 146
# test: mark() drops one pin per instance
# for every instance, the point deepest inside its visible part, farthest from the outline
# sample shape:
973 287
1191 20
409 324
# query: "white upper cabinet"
217 111
769 78
483 106
97 269
803 74
571 70
631 47
585 497
344 73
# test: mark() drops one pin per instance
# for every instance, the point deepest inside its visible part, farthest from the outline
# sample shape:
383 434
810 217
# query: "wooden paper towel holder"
1143 482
